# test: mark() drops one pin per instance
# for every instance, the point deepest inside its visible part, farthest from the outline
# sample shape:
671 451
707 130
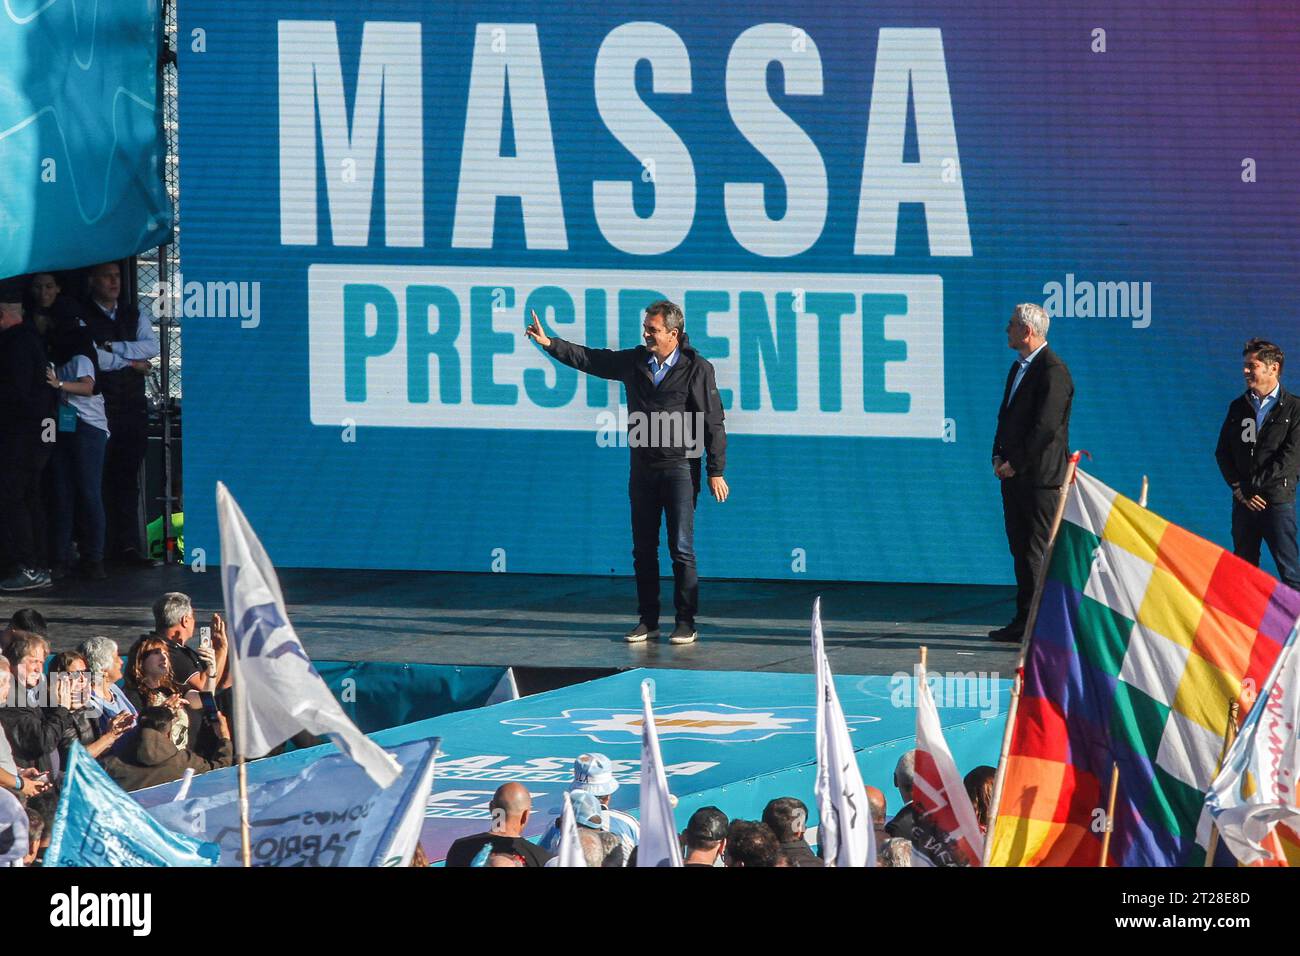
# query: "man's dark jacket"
799 853
35 732
157 760
689 386
26 399
123 388
1033 433
1269 465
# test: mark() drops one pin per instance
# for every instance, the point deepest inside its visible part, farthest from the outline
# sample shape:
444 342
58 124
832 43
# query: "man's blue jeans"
78 478
657 493
1274 525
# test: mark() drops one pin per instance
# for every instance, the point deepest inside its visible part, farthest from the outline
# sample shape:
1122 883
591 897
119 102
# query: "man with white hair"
594 774
1031 450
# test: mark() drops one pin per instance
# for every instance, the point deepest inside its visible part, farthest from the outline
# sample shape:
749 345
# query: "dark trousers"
656 493
78 476
1275 525
122 458
22 509
1028 511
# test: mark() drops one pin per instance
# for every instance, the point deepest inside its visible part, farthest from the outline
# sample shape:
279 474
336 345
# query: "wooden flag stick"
1142 498
1229 736
1000 776
1110 813
245 843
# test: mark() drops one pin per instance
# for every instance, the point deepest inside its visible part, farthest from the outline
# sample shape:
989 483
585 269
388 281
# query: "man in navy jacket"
674 417
1259 456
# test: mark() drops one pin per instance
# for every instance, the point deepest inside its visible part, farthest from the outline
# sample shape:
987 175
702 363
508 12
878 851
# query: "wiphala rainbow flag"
1145 634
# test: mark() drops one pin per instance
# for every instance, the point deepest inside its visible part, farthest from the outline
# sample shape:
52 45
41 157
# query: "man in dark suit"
125 343
1031 451
672 389
1259 456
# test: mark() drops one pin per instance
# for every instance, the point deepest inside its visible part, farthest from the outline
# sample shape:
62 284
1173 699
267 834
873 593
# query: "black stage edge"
540 624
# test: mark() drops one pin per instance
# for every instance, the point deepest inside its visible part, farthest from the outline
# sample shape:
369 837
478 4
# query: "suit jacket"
1033 432
1266 463
690 386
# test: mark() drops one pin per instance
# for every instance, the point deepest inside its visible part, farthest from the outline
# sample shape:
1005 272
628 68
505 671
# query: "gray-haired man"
1031 450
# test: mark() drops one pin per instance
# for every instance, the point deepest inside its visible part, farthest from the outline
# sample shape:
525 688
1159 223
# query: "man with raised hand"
674 417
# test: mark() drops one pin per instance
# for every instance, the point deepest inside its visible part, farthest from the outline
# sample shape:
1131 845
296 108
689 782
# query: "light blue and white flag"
99 824
328 813
1256 789
277 691
845 833
659 844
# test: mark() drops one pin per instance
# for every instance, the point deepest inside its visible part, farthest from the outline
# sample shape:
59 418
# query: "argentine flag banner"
99 824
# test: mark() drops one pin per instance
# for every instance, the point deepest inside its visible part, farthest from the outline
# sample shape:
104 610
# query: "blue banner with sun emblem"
81 136
729 739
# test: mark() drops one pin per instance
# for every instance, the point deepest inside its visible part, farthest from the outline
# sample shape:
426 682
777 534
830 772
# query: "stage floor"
568 621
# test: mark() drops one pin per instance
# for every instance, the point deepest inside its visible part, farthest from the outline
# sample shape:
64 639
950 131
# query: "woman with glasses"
70 677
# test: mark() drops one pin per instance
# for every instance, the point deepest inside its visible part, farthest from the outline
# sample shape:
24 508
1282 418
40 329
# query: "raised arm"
604 363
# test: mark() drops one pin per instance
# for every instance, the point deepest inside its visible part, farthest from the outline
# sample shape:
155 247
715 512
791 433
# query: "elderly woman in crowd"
105 671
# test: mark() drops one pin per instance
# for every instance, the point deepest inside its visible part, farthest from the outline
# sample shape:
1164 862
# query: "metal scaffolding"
153 270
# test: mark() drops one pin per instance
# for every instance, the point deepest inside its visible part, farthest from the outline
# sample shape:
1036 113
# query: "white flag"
845 833
277 691
658 846
1256 789
399 848
940 794
570 851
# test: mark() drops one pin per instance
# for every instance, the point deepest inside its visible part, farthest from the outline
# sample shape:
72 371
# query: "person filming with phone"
174 622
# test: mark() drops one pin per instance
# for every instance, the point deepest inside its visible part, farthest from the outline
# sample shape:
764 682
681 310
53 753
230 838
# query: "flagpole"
245 843
1229 735
1110 802
1142 498
1000 777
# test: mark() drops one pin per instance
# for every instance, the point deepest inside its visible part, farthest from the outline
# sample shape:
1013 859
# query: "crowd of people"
609 837
165 708
148 719
74 355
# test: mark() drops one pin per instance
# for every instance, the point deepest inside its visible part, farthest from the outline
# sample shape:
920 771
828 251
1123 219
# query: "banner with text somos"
847 200
329 814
